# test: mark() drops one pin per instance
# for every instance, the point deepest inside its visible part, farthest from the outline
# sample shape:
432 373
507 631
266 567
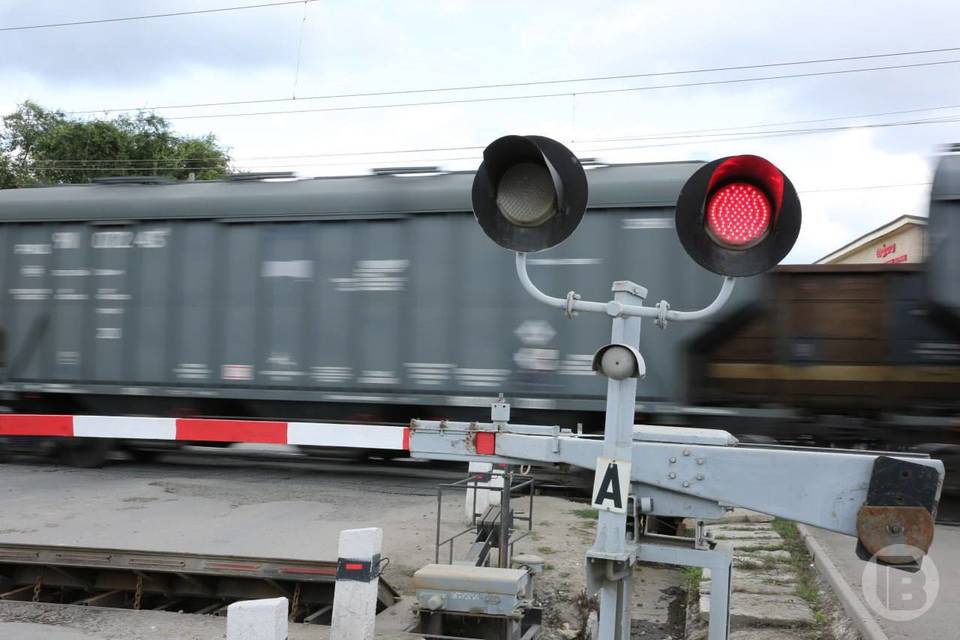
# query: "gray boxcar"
356 297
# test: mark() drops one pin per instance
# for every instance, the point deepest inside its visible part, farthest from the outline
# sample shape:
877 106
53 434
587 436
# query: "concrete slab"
754 534
775 554
744 582
764 610
287 509
745 545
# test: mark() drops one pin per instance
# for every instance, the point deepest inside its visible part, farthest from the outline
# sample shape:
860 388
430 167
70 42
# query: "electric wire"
152 16
507 85
540 96
683 138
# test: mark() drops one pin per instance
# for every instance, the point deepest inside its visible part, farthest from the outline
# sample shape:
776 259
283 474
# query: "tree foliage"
39 146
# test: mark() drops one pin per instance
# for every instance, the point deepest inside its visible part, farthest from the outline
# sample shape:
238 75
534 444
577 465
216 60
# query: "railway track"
178 582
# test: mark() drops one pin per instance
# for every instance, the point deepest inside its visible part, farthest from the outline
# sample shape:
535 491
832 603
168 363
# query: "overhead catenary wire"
152 16
565 94
761 135
661 135
507 85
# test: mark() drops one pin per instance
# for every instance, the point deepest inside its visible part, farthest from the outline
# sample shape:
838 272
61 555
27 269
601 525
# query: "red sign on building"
886 249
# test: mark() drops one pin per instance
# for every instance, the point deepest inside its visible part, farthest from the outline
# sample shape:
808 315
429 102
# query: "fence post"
355 594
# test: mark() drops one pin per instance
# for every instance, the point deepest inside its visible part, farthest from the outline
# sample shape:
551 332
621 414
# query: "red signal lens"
738 214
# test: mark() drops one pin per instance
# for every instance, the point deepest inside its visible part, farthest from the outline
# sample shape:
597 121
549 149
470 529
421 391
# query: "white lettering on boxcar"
152 238
648 223
30 294
32 271
65 240
375 275
32 249
577 364
297 269
112 240
331 374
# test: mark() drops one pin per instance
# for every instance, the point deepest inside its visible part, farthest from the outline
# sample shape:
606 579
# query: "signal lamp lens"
526 195
738 214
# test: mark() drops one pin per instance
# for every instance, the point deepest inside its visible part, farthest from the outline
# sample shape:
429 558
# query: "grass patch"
691 578
802 565
587 513
546 550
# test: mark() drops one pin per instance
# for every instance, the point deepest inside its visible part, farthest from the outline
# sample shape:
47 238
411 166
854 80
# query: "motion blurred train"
377 299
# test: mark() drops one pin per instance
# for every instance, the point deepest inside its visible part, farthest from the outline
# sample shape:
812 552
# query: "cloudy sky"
822 130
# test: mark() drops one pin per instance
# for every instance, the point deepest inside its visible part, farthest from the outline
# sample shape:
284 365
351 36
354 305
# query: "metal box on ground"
483 590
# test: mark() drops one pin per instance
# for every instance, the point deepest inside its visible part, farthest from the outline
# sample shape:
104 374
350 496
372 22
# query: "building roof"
870 237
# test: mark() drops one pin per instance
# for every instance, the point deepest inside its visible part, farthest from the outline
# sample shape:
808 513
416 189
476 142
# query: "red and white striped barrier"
316 434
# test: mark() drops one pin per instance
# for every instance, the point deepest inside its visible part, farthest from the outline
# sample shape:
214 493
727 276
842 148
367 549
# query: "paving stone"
746 545
752 582
776 576
771 554
748 562
764 610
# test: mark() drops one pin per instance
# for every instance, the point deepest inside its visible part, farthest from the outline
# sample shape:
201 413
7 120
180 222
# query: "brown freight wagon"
840 339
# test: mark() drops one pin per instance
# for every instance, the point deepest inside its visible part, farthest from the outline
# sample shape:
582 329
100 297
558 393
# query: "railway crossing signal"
529 193
738 216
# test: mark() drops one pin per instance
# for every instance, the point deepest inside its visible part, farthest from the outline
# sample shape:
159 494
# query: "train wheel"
86 453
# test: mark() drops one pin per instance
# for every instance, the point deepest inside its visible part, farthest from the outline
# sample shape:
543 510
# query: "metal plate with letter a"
611 483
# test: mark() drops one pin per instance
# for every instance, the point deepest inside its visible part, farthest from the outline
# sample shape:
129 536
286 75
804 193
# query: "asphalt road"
942 620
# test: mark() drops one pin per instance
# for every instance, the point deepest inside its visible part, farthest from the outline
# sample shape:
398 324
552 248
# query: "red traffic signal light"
738 216
529 193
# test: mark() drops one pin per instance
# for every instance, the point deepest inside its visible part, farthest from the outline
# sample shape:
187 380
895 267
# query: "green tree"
38 146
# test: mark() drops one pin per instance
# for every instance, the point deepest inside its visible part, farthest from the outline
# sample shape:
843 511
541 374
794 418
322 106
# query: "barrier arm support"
821 488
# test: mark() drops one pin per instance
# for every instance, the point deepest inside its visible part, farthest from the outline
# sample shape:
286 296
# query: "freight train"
377 299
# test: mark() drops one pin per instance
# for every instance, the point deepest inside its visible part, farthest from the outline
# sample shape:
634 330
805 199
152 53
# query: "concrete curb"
861 617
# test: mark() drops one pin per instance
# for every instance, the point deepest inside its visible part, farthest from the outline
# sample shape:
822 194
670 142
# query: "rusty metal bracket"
895 525
895 535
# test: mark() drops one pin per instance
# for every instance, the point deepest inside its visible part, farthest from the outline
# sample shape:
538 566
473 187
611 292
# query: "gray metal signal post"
735 216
